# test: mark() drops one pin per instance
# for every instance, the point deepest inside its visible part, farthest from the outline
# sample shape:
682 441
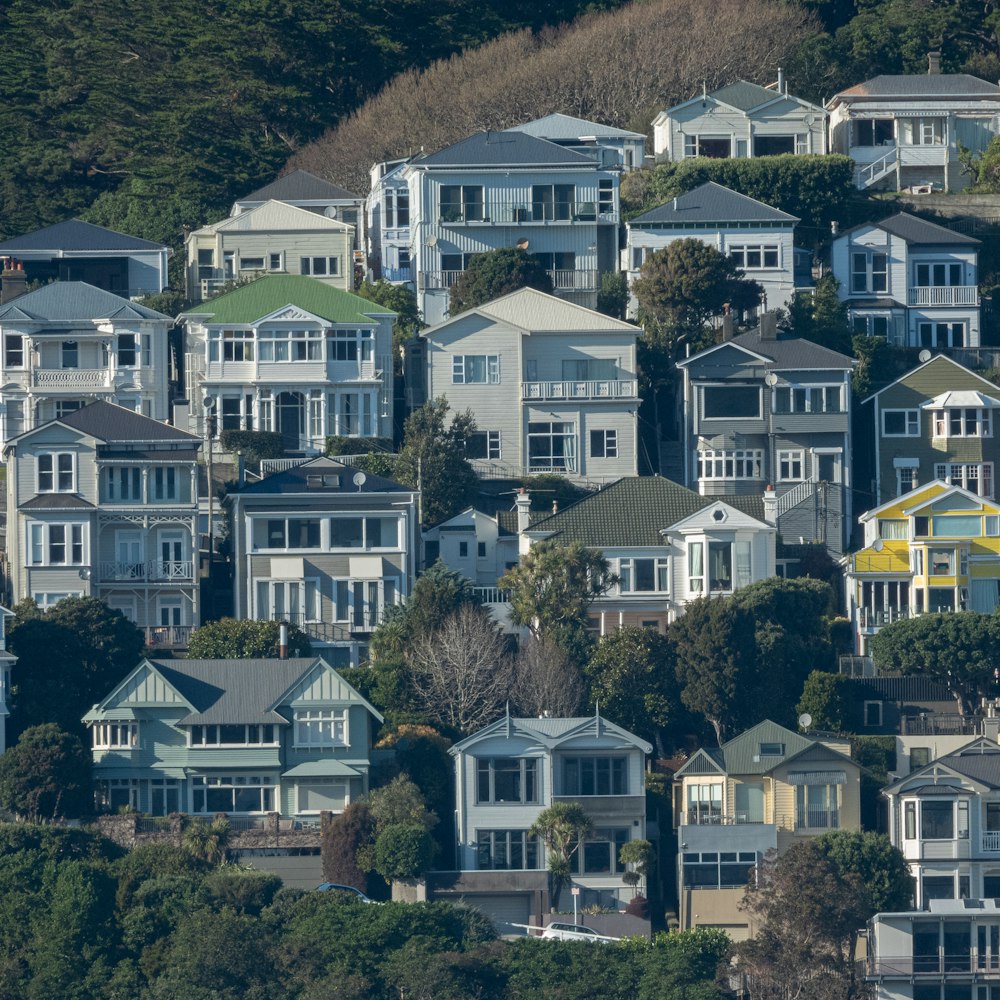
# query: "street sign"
575 891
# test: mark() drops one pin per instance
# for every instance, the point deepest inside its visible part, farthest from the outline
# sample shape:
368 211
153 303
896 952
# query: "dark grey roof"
713 203
75 234
914 230
922 85
560 128
110 422
906 689
744 95
299 185
74 302
507 522
788 351
981 767
502 149
228 692
148 454
297 480
55 501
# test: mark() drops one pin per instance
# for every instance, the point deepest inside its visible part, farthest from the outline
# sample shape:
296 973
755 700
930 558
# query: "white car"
574 932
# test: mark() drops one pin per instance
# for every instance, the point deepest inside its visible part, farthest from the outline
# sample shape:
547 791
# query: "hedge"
254 445
356 445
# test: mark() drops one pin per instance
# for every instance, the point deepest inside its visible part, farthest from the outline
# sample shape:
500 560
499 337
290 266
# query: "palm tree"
207 841
562 827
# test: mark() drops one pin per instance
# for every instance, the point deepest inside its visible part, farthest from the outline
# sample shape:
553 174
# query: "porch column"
895 139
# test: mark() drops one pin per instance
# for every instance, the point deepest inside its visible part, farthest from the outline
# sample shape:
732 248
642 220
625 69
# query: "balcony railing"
492 595
906 966
599 389
168 636
991 840
501 211
816 819
334 631
944 295
695 817
872 618
71 379
397 273
940 724
569 280
157 571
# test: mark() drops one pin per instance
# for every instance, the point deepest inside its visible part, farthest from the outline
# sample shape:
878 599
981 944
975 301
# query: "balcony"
492 595
991 840
71 379
606 805
695 817
872 619
503 211
397 273
156 571
568 280
943 295
168 636
600 389
941 724
907 966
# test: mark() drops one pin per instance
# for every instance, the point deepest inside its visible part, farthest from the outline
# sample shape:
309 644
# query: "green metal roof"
633 511
249 303
741 755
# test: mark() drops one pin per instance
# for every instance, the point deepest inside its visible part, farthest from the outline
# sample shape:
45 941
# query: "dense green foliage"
403 851
826 698
46 776
244 640
254 445
495 273
822 317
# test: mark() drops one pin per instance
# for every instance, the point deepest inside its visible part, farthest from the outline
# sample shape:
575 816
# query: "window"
910 816
70 354
321 794
816 807
506 850
600 853
237 345
976 477
755 256
252 263
122 484
807 399
906 480
349 345
554 202
166 483
475 369
606 196
274 262
900 423
739 464
57 472
237 735
115 735
962 422
319 267
292 345
483 444
49 599
604 444
56 544
552 446
245 793
595 776
957 525
716 147
873 713
720 566
937 820
791 466
771 749
364 532
588 369
287 533
326 727
128 350
721 402
869 272
696 567
937 275
704 804
463 550
462 203
941 562
480 550
507 779
718 869
941 335
206 264
892 530
640 576
13 356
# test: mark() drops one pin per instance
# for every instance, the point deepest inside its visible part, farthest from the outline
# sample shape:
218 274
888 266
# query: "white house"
911 281
612 145
67 344
760 239
740 120
482 547
552 385
388 214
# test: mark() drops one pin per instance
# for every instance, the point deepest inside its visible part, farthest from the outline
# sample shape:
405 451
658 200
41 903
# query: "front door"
172 564
290 418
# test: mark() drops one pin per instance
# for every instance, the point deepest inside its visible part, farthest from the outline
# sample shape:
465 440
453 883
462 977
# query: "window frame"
606 440
460 369
56 473
786 460
627 572
911 423
330 266
530 790
309 725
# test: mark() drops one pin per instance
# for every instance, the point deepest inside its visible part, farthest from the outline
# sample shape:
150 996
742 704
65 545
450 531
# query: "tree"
552 589
462 671
546 681
563 827
207 841
46 776
400 802
822 317
342 838
403 851
433 460
633 679
402 300
881 869
612 299
494 273
826 699
641 855
228 639
875 367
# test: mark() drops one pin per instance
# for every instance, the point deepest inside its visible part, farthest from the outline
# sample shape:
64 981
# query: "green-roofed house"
764 790
739 120
240 737
667 544
291 354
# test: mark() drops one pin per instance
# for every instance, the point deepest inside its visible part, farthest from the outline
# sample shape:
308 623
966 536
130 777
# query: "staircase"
794 497
872 173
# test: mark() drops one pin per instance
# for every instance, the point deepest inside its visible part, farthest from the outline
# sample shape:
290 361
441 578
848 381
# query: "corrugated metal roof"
914 230
921 85
502 149
744 95
741 755
323 477
149 455
299 185
912 688
712 203
74 302
561 127
275 216
788 351
268 294
75 234
110 422
981 767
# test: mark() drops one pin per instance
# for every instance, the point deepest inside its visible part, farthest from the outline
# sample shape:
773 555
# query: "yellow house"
936 548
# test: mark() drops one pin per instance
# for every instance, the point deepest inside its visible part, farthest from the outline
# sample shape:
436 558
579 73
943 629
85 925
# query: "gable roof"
978 760
74 302
111 422
918 232
934 491
917 85
633 511
937 360
299 185
744 95
75 234
275 215
785 352
296 480
268 294
711 202
552 731
559 127
512 148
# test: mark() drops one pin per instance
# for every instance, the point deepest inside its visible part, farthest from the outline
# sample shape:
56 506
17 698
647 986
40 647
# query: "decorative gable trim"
143 686
322 685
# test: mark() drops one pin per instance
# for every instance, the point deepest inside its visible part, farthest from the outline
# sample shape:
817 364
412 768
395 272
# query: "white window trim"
324 715
321 780
55 471
492 369
660 562
46 527
911 418
790 456
101 735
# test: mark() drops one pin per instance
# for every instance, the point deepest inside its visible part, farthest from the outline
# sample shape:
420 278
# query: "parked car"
337 887
574 932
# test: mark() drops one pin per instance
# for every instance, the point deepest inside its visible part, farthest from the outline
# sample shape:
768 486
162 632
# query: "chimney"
283 640
934 63
781 80
769 326
522 503
834 227
727 324
770 505
555 506
13 280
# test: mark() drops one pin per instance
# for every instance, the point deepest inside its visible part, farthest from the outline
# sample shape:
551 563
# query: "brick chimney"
13 281
934 63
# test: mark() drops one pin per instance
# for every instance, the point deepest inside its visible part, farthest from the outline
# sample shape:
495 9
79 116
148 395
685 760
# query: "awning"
368 568
961 397
906 463
322 769
817 778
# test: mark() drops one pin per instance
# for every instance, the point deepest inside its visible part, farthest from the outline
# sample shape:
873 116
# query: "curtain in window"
743 569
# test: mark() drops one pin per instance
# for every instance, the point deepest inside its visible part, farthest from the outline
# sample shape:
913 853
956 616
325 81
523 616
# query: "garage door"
504 910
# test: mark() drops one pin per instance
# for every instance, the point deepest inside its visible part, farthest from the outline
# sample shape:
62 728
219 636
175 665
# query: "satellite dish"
432 241
878 545
805 720
924 355
209 402
359 480
810 119
771 378
331 212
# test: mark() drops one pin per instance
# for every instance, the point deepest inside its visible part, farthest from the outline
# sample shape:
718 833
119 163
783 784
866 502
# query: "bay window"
290 345
350 345
232 794
115 735
56 472
696 567
56 544
976 477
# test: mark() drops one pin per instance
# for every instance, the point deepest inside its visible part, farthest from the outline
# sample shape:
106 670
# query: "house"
910 281
326 547
758 238
7 661
615 146
269 238
290 354
667 545
505 189
945 818
951 949
480 546
510 771
387 210
103 502
80 251
923 430
905 131
67 344
768 408
305 190
552 385
764 790
936 548
242 737
740 120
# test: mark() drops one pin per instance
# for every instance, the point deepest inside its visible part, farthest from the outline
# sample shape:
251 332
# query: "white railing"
512 210
572 280
873 172
944 295
160 570
71 378
598 389
269 466
167 636
492 595
991 840
877 617
438 279
795 496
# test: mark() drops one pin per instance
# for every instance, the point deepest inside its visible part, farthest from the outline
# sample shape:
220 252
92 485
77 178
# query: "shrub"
403 850
356 445
254 445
